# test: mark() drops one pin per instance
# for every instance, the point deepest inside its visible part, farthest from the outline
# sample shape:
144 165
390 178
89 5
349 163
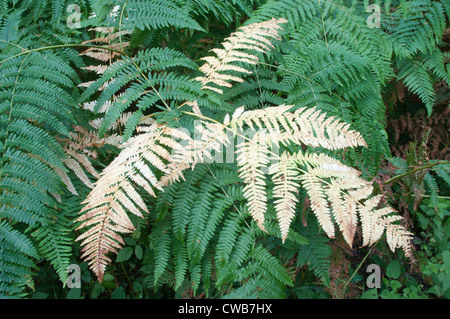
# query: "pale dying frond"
285 178
108 39
254 37
115 193
157 148
252 157
208 137
376 222
305 125
335 190
343 205
337 193
80 149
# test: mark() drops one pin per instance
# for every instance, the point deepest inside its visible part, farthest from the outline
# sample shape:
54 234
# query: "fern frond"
156 14
151 77
105 210
35 111
252 157
16 261
419 30
285 176
316 254
55 243
253 37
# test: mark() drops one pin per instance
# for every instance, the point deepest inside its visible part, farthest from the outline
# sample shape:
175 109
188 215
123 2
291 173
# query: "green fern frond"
419 30
155 14
35 113
55 244
418 80
315 255
17 254
151 77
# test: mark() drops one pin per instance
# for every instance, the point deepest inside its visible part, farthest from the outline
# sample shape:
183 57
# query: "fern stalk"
395 178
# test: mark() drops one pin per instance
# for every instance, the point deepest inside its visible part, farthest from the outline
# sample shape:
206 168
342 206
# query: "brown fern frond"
115 193
409 128
108 37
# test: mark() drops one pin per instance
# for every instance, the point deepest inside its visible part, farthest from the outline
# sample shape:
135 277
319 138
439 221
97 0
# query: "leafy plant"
216 146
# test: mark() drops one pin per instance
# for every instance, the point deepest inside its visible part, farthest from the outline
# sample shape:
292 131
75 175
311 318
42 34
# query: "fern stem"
51 47
120 23
126 274
393 179
428 196
357 269
148 116
205 118
11 43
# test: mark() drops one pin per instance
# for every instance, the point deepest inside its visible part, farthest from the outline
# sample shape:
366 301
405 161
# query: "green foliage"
198 239
433 260
157 14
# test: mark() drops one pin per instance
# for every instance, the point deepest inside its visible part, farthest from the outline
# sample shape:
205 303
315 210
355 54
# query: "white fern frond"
285 177
305 125
319 203
252 157
254 37
209 137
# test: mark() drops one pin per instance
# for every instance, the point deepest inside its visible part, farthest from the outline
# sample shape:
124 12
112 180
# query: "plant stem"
393 179
357 269
61 46
126 274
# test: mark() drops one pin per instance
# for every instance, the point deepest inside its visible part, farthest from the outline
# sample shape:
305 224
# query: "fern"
16 261
315 255
294 101
36 111
156 14
105 205
105 210
33 112
145 89
224 11
256 37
